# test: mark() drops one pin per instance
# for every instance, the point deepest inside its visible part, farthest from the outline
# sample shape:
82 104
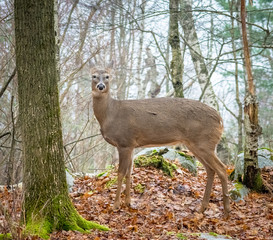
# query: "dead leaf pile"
166 208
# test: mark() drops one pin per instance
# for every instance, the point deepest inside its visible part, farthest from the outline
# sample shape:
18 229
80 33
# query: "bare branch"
7 83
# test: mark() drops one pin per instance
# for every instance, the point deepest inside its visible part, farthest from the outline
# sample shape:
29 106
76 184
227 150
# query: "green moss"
103 173
181 236
269 149
111 182
59 215
159 152
74 222
199 164
234 194
213 234
41 228
238 186
6 236
188 157
85 225
139 188
107 172
157 162
258 183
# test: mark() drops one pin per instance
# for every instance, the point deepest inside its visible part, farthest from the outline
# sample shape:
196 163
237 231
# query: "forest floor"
164 208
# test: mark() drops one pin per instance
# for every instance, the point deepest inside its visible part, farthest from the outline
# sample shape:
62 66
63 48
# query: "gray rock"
211 236
265 158
69 180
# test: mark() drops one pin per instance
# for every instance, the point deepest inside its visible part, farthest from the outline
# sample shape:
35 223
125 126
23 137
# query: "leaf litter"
162 208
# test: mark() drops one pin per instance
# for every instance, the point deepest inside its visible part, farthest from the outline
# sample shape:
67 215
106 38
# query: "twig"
12 225
7 83
5 134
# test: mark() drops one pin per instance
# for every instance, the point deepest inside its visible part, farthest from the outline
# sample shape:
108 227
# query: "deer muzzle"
101 86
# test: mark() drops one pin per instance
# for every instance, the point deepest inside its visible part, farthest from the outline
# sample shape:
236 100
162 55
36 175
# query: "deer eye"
94 76
107 77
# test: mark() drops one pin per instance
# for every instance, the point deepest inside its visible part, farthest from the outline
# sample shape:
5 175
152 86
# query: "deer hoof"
202 209
226 215
128 202
116 206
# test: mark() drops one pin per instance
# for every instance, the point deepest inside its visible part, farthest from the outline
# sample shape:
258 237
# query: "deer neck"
101 106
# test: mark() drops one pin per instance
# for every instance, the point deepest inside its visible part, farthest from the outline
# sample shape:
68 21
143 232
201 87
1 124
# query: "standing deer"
128 124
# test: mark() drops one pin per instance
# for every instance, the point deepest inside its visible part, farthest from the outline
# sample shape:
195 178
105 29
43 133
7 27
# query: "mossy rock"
156 161
238 192
186 161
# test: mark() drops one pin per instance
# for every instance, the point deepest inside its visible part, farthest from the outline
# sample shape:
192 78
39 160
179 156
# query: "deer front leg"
117 199
128 185
125 163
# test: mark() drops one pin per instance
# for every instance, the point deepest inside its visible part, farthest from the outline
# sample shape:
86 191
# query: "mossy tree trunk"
252 176
46 204
174 41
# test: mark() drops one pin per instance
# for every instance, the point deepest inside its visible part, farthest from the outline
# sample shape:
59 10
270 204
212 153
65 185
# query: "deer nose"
100 86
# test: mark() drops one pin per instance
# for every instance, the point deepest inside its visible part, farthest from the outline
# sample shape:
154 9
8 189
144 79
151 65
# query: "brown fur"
128 124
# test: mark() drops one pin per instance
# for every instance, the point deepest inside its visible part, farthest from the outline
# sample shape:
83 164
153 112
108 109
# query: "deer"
130 124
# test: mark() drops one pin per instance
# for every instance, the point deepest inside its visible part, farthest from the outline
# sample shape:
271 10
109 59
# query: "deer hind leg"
221 172
213 165
220 169
125 159
210 178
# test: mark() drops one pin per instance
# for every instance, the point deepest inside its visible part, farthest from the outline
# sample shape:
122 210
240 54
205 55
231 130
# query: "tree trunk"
176 63
46 204
151 75
141 93
236 74
252 177
200 67
123 49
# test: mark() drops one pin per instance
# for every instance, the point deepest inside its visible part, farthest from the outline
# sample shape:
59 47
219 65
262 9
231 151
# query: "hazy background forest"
135 35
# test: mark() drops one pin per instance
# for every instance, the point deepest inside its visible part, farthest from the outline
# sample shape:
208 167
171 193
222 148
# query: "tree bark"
141 93
46 204
252 176
151 74
123 49
236 74
176 63
200 67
